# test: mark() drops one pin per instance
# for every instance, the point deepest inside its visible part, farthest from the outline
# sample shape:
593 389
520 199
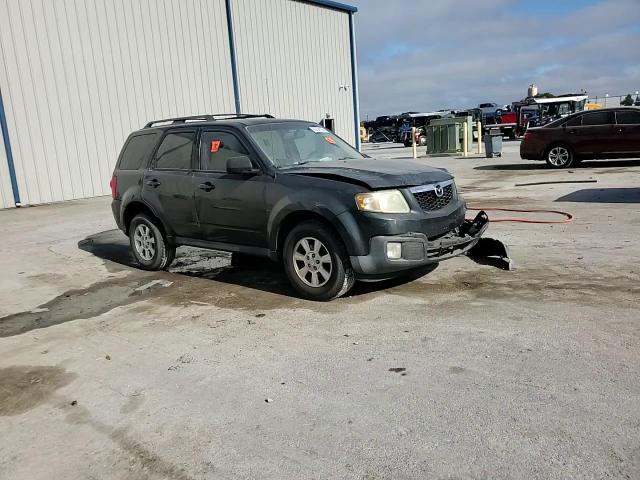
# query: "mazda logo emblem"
439 190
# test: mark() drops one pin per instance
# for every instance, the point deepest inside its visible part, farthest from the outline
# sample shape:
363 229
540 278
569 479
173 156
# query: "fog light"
394 250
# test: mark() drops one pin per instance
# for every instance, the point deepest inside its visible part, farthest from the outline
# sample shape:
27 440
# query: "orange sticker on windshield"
215 146
330 140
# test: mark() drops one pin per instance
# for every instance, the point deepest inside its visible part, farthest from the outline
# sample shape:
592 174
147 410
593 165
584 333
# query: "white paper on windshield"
318 129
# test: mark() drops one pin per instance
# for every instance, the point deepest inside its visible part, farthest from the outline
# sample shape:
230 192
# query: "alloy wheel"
559 156
145 242
312 262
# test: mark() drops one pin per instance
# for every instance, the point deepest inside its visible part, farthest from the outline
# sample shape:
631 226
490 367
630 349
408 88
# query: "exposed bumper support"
417 250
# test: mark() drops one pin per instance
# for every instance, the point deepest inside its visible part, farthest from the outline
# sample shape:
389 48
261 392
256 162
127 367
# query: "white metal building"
77 76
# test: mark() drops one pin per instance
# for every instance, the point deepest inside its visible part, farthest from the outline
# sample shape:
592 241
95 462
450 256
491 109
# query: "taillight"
114 186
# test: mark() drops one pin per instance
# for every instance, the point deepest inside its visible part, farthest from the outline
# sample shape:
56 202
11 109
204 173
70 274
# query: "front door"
628 130
230 207
168 184
595 135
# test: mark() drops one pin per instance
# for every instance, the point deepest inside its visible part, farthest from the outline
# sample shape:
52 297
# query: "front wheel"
422 141
148 244
559 156
316 262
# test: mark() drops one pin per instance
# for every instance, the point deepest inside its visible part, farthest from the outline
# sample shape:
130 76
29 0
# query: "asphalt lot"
107 371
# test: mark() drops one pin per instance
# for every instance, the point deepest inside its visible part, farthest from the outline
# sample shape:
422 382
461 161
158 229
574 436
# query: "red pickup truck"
506 122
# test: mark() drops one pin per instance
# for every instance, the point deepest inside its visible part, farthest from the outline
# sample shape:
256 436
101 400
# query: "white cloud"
432 54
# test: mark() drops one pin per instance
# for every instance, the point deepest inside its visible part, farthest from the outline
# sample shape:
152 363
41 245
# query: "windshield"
288 144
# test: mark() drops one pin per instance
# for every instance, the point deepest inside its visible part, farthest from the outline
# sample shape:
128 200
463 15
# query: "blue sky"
432 54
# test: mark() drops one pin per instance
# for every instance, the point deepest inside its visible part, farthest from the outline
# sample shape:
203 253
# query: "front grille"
429 201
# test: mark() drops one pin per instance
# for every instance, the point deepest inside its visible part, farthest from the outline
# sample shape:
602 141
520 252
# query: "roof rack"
206 118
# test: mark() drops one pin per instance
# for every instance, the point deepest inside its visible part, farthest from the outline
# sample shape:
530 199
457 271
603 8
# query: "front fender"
334 213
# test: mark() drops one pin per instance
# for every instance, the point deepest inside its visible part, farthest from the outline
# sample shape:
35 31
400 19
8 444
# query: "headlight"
383 201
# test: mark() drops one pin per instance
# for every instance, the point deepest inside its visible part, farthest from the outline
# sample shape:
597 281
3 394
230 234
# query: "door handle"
206 186
153 183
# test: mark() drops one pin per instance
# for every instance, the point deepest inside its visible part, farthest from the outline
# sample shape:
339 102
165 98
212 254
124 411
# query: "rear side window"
628 117
596 118
175 151
137 151
217 148
574 122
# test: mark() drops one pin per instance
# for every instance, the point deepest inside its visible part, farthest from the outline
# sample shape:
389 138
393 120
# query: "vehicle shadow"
256 273
587 164
603 195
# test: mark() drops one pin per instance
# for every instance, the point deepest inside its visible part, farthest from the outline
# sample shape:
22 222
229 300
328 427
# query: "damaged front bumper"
417 250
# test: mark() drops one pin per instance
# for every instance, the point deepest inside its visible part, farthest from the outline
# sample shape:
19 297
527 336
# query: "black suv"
289 190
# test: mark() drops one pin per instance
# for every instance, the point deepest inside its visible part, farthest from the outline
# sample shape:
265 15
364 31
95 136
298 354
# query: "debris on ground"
397 369
183 359
556 182
152 284
491 252
268 400
39 310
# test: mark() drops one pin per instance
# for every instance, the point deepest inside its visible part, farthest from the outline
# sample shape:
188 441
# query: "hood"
373 173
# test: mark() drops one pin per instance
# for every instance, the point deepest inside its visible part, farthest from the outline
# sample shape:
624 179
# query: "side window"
175 151
218 147
137 151
575 121
628 117
596 118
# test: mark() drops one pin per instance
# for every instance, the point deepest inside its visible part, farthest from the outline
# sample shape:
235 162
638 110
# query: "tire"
149 245
559 156
423 141
310 242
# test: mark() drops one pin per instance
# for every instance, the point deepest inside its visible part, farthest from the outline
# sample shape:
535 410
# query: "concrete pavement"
107 371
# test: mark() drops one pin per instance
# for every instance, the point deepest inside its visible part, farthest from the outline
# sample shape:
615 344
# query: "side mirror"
240 165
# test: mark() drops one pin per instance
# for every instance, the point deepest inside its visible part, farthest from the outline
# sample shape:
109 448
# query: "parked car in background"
418 120
288 190
489 109
404 134
605 133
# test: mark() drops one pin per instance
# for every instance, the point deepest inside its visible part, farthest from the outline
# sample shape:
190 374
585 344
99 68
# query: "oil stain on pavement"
99 298
23 388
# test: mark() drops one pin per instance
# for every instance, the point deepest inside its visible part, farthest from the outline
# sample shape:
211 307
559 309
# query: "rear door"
230 207
628 130
168 183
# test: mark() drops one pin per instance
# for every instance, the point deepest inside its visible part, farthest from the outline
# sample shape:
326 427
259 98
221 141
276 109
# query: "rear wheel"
148 244
559 156
316 262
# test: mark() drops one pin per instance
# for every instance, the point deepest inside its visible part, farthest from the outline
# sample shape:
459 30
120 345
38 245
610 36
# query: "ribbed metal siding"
293 57
79 75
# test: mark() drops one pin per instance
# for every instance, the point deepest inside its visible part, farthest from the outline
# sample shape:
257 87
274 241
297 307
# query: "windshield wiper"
295 164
